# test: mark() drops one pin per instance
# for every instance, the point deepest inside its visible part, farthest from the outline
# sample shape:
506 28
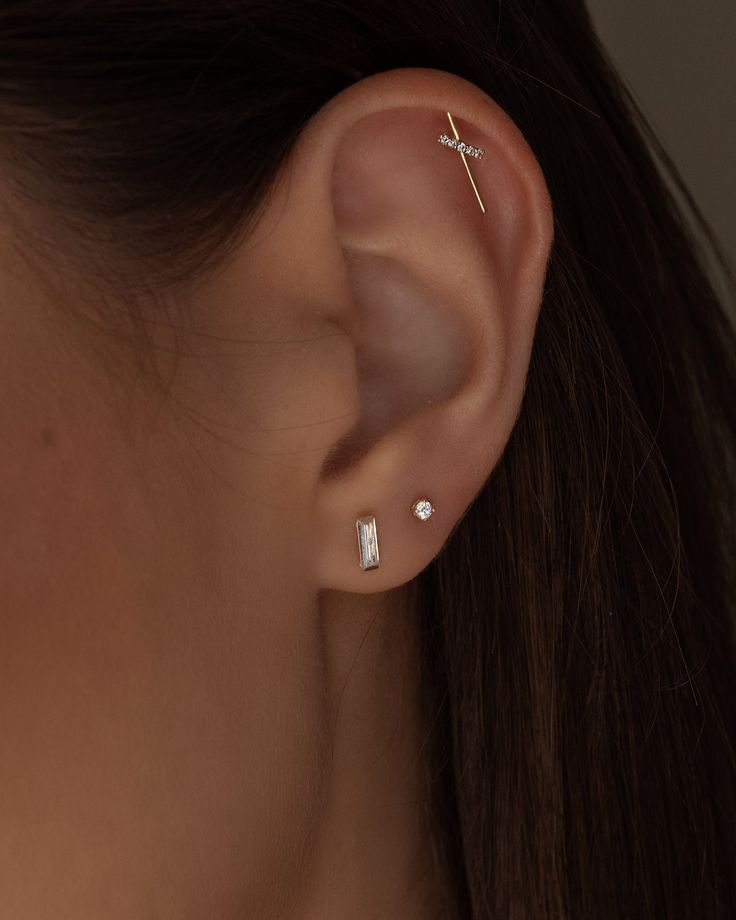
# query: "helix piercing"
464 150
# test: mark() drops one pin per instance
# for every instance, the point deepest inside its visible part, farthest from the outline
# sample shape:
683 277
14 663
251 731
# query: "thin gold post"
465 163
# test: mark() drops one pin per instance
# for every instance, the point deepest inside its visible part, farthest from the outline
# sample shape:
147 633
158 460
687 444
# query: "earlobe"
444 251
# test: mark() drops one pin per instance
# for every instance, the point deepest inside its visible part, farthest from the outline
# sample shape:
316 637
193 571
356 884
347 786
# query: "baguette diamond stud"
423 509
367 542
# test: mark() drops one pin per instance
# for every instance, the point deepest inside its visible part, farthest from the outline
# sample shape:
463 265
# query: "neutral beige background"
679 58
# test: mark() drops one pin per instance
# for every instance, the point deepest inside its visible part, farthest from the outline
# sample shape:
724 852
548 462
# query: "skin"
207 708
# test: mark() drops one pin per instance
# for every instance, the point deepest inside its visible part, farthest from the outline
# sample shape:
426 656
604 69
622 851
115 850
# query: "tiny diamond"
367 542
423 509
460 146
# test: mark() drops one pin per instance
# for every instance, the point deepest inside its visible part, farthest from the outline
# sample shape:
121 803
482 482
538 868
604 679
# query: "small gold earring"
454 143
367 542
423 509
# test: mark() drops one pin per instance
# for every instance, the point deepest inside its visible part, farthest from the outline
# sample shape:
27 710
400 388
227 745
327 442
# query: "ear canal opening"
411 351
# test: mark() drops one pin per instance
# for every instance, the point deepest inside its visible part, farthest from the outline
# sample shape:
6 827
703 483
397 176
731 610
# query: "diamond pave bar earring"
367 542
464 150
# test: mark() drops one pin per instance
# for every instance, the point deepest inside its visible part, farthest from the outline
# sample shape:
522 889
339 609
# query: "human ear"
437 299
442 306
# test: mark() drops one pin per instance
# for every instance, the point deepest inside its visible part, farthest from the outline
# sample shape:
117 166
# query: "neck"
373 853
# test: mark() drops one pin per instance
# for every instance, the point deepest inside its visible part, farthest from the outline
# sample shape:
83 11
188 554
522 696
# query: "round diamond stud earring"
423 509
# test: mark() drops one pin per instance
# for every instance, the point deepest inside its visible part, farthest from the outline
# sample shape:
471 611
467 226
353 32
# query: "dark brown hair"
578 656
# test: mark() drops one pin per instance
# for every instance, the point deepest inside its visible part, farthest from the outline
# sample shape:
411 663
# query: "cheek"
132 679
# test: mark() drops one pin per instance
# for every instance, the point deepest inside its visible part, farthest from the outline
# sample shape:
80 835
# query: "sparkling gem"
367 542
454 144
423 509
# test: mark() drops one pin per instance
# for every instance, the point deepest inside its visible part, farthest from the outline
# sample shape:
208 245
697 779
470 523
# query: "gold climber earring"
465 150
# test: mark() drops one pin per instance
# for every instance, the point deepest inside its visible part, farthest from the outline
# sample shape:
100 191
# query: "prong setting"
423 509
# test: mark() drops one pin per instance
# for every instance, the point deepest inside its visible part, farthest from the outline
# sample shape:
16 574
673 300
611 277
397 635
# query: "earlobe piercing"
368 534
464 150
423 509
367 542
